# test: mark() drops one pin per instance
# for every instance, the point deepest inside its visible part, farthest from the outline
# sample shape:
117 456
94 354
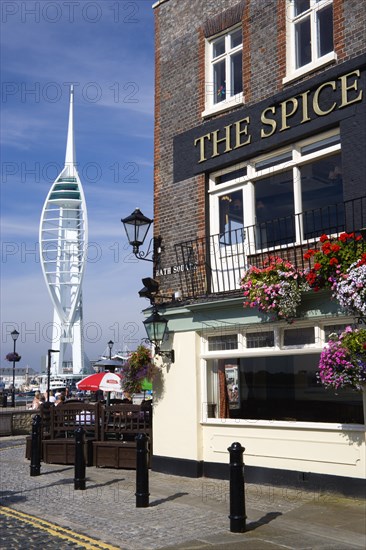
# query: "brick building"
260 142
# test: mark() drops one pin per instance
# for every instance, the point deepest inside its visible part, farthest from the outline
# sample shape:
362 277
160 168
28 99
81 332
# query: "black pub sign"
310 107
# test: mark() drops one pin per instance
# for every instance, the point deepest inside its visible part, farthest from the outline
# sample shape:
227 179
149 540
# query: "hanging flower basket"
139 367
351 290
13 357
274 289
343 360
333 259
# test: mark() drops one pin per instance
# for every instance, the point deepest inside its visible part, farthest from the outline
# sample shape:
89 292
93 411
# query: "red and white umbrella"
105 381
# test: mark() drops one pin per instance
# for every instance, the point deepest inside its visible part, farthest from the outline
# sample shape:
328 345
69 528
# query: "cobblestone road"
183 512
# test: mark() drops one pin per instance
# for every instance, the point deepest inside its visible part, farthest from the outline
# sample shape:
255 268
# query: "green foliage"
139 366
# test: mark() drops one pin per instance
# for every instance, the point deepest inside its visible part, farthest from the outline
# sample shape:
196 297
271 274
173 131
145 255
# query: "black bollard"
237 499
79 479
35 464
142 471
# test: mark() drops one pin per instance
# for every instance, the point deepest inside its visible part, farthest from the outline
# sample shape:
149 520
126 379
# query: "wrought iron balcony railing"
215 264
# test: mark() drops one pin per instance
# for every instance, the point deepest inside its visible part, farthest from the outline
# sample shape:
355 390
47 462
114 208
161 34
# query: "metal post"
79 479
237 498
49 370
13 388
35 464
142 471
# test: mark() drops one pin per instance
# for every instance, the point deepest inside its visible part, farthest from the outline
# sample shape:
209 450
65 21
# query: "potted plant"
274 289
139 366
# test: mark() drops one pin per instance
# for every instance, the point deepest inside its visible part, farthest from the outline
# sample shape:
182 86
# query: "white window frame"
247 183
212 108
279 350
316 61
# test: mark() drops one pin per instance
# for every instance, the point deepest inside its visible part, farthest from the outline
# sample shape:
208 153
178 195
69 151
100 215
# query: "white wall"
323 449
177 430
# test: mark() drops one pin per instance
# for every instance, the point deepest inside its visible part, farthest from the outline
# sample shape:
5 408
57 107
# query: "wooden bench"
120 424
59 448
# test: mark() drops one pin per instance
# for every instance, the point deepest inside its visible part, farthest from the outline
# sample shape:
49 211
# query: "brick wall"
180 209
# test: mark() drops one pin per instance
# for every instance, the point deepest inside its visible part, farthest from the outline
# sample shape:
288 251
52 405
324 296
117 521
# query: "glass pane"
231 176
222 342
325 31
236 73
219 82
298 336
287 388
303 42
301 6
260 339
236 38
274 210
218 47
321 144
322 196
231 211
274 161
330 329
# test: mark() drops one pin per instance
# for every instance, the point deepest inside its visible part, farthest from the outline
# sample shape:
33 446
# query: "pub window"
224 73
278 387
310 35
333 329
284 198
222 342
260 339
298 336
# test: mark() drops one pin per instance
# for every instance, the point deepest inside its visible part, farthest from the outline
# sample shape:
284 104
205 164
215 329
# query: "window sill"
288 424
298 73
236 101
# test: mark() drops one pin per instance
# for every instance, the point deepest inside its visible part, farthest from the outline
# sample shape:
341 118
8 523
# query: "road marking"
57 531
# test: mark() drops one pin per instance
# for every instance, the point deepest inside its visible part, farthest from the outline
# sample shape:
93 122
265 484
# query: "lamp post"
14 335
49 370
156 327
110 345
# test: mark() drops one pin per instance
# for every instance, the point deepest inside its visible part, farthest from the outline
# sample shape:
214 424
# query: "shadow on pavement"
270 516
172 497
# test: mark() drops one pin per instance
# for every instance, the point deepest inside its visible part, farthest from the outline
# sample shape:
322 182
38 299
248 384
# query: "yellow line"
56 530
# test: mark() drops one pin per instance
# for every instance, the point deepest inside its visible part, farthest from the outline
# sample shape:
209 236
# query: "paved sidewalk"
184 513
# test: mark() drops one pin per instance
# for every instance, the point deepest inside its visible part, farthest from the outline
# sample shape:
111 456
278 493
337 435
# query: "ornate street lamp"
14 335
137 227
110 345
156 327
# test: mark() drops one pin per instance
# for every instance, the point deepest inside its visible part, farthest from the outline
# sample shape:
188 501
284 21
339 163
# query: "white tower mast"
63 238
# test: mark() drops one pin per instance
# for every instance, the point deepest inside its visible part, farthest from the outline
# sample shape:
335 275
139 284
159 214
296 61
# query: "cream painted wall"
329 451
298 446
176 428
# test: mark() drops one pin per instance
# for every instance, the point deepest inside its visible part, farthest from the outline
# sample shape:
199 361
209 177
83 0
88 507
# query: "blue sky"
106 49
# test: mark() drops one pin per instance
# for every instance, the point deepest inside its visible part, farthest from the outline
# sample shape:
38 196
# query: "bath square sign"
171 270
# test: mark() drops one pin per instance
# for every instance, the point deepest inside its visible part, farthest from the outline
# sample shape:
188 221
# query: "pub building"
260 148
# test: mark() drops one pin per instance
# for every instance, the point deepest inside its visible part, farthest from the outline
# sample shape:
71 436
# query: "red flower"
335 247
323 238
343 237
317 266
309 254
333 261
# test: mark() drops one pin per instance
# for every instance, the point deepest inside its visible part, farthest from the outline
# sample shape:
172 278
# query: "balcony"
216 263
